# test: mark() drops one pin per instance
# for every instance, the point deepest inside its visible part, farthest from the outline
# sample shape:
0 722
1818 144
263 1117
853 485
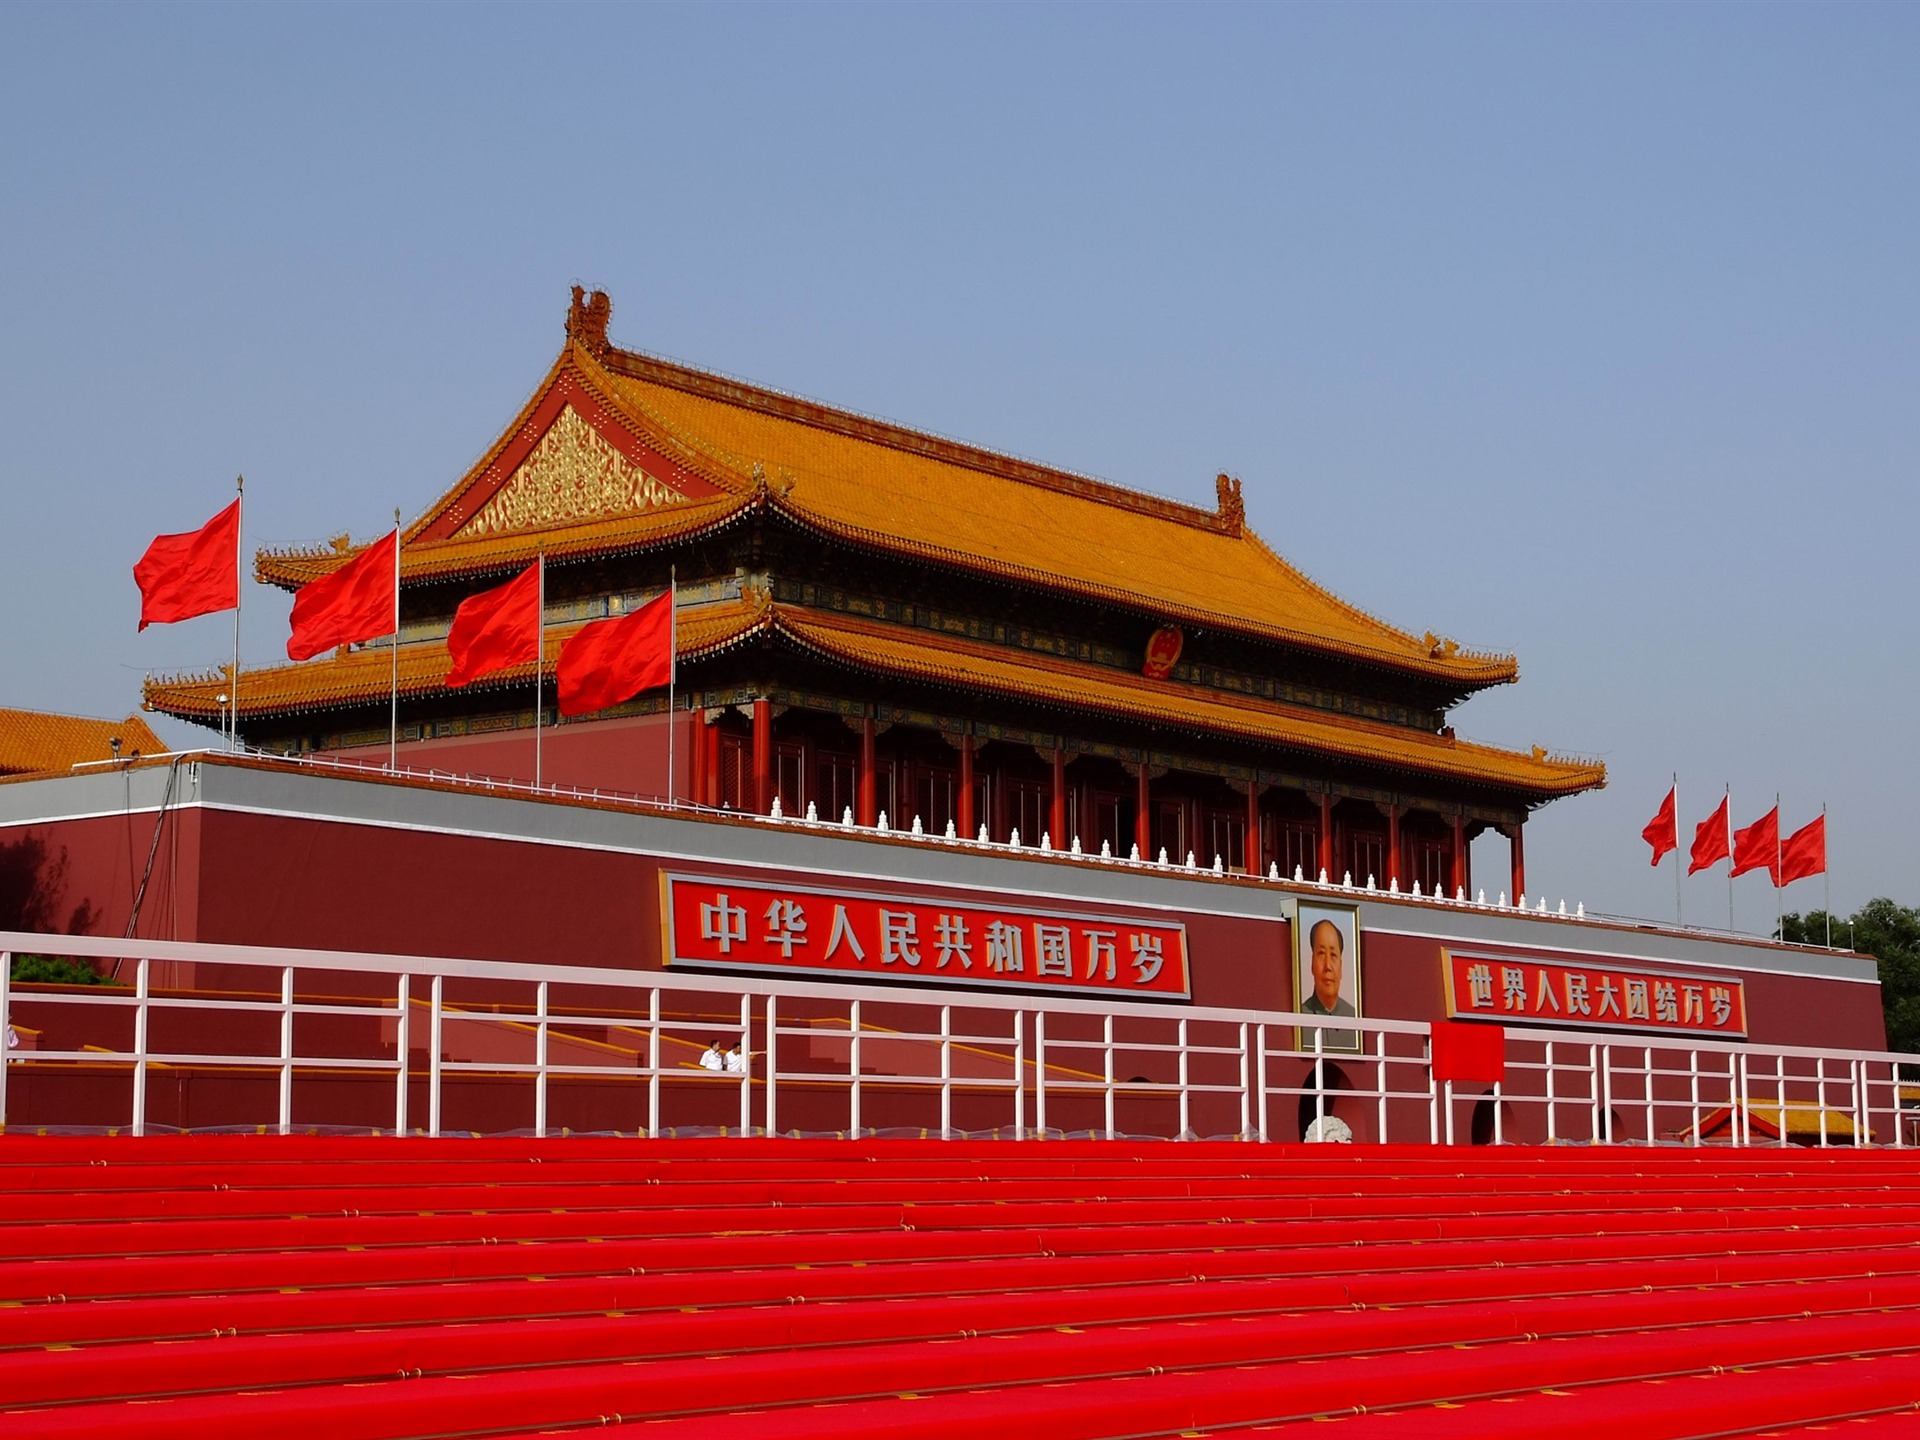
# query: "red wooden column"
966 823
710 741
1326 838
762 755
1519 859
1250 853
1457 872
1143 813
869 810
1393 846
1057 814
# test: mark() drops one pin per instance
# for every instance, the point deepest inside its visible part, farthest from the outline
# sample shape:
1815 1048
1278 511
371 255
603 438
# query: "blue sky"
1587 332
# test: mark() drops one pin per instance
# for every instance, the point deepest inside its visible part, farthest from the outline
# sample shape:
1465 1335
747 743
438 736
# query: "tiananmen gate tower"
885 622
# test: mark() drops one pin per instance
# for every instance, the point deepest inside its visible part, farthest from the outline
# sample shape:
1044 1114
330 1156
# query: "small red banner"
1470 1054
800 930
1518 991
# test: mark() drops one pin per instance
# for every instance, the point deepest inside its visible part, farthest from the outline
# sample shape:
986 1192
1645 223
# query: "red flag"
1758 846
1470 1053
1663 831
197 573
1710 840
1804 852
614 660
355 602
496 629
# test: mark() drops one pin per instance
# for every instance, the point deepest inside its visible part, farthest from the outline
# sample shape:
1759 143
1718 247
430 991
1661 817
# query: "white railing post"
1260 1078
1646 1079
1019 1074
540 1063
1861 1103
773 1064
946 1072
286 1050
1186 1118
746 1066
1447 1089
1249 1077
1820 1096
1737 1098
402 1049
1433 1095
1693 1093
139 1125
1320 1077
436 1012
1040 1074
1894 1080
1606 1090
1592 1093
853 1070
653 1063
1107 1048
1380 1080
6 1029
1552 1105
1499 1131
1780 1096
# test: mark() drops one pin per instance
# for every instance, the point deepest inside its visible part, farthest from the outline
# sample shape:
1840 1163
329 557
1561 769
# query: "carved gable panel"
574 474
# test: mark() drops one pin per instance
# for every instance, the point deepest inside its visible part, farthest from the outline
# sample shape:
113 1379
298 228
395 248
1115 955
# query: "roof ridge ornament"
1233 508
587 321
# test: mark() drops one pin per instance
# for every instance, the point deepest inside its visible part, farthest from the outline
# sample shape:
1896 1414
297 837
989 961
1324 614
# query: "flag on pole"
1663 831
614 660
496 629
1710 840
196 573
1758 846
354 603
1804 852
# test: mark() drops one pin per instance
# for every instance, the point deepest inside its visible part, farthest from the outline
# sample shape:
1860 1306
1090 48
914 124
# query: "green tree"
1891 934
55 970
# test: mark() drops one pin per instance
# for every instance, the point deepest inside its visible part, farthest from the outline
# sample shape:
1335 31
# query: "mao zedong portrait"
1329 963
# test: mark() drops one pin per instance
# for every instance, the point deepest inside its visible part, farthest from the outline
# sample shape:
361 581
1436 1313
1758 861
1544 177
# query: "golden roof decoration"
574 473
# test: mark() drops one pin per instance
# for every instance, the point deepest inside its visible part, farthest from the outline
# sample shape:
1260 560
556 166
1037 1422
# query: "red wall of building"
235 877
627 755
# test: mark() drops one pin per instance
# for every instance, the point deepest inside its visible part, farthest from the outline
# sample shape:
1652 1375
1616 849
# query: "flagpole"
393 715
1826 877
1779 900
1729 814
673 661
539 649
233 686
1679 914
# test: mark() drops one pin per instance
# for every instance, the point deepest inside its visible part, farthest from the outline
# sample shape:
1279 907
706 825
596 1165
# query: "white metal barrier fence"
851 1058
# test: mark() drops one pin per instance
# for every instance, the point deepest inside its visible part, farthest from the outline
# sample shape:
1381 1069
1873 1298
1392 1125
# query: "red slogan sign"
830 932
1590 997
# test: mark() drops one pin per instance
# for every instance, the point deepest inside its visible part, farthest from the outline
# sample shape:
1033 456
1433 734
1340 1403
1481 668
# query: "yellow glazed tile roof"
744 448
363 677
1074 685
895 489
32 741
489 554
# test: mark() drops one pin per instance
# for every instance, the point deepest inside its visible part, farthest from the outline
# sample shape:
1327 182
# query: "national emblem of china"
1163 652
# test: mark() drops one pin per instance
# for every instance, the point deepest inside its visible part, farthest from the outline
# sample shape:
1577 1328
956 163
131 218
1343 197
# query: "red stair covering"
307 1286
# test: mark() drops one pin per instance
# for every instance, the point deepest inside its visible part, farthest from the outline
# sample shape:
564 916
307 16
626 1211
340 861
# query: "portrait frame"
1346 921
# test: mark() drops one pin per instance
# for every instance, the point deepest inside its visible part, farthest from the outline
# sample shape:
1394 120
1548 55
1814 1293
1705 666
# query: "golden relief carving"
573 474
